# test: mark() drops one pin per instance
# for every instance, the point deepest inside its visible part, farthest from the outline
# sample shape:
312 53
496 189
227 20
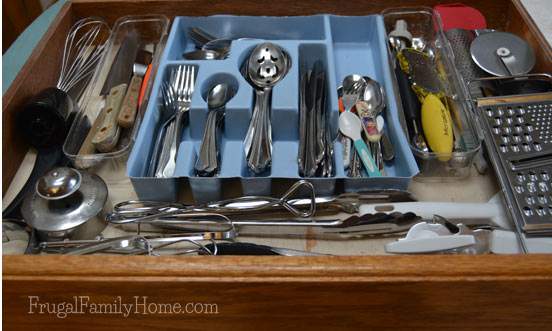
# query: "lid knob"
58 183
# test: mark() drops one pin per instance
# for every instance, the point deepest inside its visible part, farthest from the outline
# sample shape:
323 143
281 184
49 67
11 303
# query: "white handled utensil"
351 126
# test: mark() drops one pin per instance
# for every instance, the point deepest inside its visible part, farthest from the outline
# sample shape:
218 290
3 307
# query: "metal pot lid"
502 54
64 198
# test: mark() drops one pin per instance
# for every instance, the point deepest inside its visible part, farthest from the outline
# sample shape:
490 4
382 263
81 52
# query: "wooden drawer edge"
353 268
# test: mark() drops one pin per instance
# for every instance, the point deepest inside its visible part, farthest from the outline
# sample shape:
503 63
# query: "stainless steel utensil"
199 36
67 203
210 47
517 136
166 118
411 107
207 163
182 82
83 49
139 244
502 54
352 86
203 54
400 38
315 155
460 41
266 66
351 126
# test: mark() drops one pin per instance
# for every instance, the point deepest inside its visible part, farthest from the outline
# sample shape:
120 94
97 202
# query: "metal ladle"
266 65
207 163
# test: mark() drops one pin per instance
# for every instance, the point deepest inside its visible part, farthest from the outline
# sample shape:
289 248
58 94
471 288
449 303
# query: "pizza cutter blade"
502 54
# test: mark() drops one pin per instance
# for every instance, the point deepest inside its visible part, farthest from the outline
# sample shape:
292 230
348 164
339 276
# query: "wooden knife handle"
108 134
127 114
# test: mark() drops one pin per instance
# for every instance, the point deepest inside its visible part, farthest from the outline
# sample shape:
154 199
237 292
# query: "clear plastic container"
150 30
425 25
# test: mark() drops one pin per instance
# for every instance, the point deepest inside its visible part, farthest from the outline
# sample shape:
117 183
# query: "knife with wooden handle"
127 114
106 137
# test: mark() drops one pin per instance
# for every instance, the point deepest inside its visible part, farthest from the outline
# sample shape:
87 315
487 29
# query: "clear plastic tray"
424 23
150 29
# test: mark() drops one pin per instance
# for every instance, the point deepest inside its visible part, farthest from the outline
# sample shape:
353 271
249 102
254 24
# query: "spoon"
221 46
374 96
266 65
352 87
203 54
207 162
351 126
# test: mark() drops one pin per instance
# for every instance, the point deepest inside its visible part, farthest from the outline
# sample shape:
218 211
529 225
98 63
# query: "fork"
160 153
182 85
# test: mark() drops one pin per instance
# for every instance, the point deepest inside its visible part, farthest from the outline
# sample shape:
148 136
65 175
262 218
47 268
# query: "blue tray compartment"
345 44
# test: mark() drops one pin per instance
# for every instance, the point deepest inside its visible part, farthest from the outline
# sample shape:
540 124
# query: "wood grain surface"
39 72
401 292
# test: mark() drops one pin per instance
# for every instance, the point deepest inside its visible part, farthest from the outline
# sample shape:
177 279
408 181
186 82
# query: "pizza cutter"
502 54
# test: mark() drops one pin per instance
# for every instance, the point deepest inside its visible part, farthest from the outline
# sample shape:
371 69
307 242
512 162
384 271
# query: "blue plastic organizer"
346 44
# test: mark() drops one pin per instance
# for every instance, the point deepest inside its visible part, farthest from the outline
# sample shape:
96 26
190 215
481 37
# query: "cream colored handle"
108 134
127 114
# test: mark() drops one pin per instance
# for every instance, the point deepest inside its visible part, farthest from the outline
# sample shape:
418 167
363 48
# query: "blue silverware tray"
346 44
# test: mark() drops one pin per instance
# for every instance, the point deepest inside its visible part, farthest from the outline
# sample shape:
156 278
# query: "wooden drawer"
401 292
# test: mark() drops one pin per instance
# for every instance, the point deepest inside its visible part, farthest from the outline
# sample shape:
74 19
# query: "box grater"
518 136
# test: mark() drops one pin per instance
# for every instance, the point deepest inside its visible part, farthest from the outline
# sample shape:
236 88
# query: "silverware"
199 36
210 47
388 152
354 166
207 163
202 54
182 82
167 116
266 65
351 88
315 155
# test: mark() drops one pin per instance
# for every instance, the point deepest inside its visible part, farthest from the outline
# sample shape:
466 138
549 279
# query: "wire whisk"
84 46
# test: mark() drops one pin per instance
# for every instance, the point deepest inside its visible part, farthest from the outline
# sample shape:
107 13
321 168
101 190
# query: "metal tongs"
311 207
321 217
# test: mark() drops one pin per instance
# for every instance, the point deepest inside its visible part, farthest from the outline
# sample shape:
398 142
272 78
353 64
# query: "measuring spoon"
351 126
